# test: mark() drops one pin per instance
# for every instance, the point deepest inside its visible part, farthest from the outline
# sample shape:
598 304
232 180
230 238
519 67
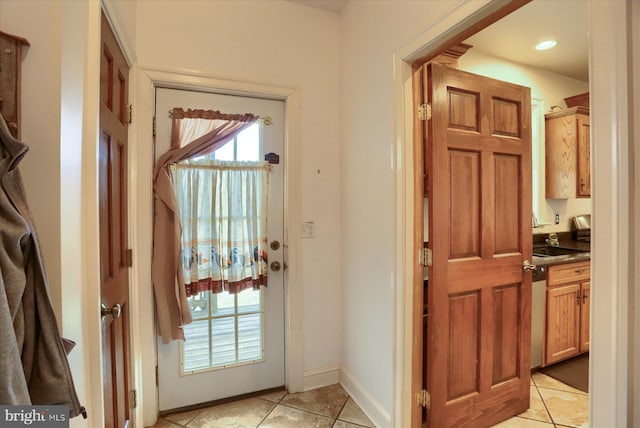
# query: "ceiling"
514 36
334 6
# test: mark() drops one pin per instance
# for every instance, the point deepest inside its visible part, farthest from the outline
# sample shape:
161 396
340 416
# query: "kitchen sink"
549 251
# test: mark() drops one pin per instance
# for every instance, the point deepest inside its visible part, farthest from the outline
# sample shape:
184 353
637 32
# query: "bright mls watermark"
34 416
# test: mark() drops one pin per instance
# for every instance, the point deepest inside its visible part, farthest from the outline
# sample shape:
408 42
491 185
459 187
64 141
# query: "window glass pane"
195 348
199 305
222 304
249 337
249 144
225 152
224 341
249 301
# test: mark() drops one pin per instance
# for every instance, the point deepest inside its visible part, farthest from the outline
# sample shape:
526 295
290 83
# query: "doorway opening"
420 205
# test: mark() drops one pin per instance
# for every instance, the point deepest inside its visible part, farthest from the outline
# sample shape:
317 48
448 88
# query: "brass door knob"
526 266
114 311
275 266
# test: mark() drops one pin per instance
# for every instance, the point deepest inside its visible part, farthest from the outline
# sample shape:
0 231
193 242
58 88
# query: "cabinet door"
585 308
584 157
563 323
560 156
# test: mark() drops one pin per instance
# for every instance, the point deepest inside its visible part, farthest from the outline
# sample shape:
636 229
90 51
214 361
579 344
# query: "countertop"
569 258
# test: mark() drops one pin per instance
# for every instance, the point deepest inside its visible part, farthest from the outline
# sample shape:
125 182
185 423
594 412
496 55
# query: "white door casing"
144 353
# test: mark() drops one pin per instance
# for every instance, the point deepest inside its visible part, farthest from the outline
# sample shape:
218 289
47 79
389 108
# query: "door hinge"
157 380
129 113
129 258
424 111
425 257
424 399
154 126
133 396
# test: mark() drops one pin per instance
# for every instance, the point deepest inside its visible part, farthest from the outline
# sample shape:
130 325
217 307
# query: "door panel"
507 188
479 164
505 322
463 345
114 270
584 156
465 204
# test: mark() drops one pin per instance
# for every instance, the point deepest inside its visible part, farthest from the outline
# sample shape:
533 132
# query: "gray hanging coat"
33 363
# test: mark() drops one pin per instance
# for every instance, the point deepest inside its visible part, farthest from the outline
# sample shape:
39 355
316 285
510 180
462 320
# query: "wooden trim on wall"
417 356
471 30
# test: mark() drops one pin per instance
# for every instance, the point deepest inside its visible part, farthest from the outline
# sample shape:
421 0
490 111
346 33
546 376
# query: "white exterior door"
235 344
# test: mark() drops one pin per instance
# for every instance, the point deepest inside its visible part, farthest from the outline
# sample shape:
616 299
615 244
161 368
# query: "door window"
227 329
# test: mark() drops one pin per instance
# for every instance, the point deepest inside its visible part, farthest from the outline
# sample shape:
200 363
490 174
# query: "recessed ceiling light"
546 44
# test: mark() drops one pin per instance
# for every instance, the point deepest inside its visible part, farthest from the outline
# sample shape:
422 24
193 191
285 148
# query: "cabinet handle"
582 183
584 297
579 270
578 297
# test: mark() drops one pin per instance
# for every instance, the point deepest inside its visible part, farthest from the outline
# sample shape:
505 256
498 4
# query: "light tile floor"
325 407
553 404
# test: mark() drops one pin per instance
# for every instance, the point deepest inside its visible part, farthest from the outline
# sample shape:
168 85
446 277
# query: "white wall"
282 44
372 32
551 88
53 124
41 24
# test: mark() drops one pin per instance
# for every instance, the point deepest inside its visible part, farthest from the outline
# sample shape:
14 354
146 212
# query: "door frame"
610 315
146 81
91 344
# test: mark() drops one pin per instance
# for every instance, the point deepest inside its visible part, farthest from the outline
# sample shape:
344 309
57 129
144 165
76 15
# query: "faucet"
553 240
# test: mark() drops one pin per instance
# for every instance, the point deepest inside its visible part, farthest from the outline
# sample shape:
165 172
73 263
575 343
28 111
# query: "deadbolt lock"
274 245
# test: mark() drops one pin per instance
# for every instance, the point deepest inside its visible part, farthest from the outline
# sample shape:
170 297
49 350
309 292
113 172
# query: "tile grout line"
269 412
556 424
544 403
275 404
564 390
341 409
195 416
308 411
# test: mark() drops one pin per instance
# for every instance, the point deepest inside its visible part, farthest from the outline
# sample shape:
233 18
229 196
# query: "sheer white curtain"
194 133
223 211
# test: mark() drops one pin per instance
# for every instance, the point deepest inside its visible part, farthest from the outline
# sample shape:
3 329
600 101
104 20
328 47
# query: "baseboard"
318 378
374 411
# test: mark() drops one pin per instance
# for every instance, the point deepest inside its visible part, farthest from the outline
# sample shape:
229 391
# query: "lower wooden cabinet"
567 312
585 308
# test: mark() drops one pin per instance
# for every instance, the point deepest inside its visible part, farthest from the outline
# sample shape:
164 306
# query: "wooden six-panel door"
479 325
114 264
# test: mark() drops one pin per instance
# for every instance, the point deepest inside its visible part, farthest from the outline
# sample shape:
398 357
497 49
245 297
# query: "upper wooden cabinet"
568 173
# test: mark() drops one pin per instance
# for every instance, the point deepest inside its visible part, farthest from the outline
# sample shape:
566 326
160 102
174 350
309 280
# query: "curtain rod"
263 166
267 120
